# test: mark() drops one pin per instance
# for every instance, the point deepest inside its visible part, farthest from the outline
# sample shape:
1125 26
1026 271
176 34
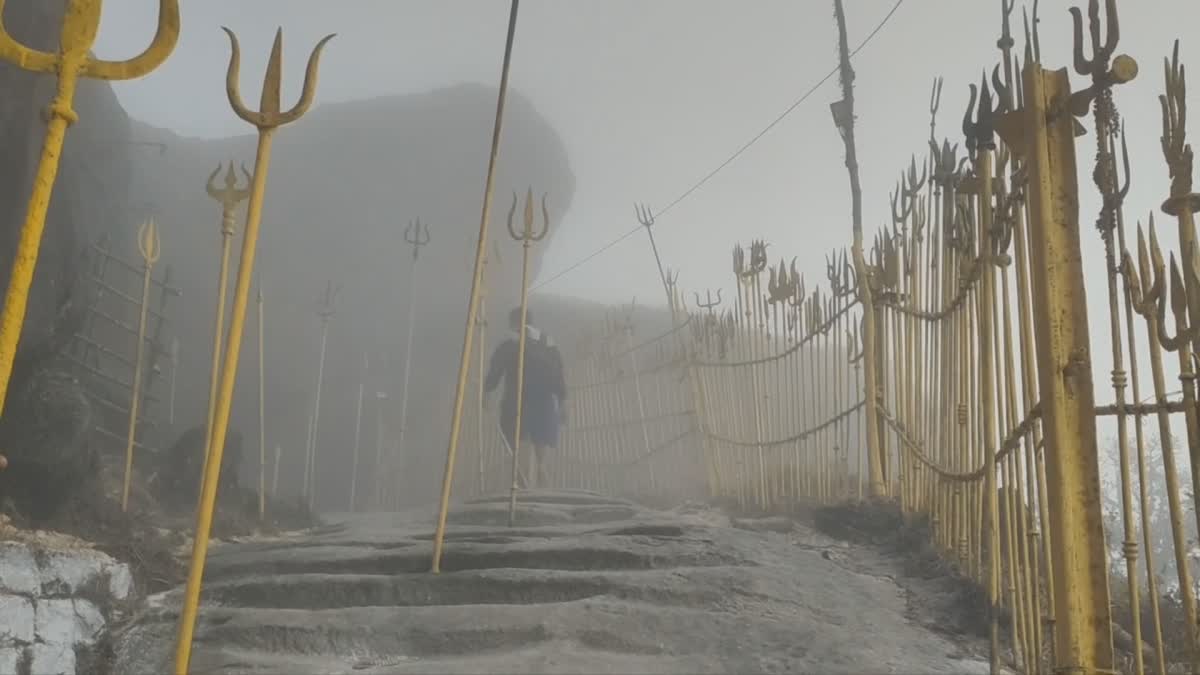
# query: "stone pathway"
583 584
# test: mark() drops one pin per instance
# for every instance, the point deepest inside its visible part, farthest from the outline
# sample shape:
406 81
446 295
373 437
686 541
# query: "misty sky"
650 95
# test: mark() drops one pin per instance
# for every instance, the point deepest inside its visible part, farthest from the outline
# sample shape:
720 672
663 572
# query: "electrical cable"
746 146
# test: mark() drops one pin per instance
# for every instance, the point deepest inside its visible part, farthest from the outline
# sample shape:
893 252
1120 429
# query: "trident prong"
981 132
230 193
81 23
644 215
269 114
1123 68
527 233
229 196
148 242
935 102
1176 150
708 303
416 239
326 310
1033 42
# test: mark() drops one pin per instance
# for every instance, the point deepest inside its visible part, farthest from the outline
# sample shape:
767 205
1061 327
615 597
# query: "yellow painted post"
150 249
843 115
473 301
267 119
527 236
73 60
981 135
1043 134
228 197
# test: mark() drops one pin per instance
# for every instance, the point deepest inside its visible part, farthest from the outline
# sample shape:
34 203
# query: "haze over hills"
345 182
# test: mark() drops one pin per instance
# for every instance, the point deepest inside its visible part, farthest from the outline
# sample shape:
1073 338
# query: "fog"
649 98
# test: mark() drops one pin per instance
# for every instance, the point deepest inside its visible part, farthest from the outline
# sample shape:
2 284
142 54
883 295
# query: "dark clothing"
545 388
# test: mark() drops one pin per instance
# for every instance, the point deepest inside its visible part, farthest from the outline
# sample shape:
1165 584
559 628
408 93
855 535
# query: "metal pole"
417 241
473 302
358 409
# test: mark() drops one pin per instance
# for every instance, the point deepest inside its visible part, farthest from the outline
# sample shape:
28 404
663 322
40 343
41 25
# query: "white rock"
18 569
9 658
65 572
16 620
120 581
89 622
56 621
53 659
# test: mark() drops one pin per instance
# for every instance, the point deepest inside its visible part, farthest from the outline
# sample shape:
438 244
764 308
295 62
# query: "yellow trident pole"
267 120
150 248
473 302
229 197
73 60
527 237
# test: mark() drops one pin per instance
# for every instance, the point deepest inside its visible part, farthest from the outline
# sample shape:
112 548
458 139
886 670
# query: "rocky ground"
582 584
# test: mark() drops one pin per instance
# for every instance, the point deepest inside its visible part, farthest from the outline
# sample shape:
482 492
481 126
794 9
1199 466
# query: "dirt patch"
153 541
940 597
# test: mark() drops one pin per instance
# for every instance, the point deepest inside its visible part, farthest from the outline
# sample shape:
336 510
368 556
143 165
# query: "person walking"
543 404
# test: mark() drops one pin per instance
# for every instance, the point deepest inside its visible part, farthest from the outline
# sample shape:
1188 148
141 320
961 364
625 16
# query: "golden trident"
268 118
73 60
150 248
229 197
527 236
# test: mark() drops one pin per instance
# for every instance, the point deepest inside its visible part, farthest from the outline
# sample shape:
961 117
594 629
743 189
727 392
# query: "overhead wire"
745 146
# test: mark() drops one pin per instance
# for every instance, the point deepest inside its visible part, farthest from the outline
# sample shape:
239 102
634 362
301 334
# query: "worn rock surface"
56 598
582 584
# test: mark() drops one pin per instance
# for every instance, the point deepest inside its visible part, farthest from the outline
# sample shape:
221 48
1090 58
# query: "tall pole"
149 246
262 411
267 120
464 363
358 410
326 313
843 116
417 238
527 236
228 197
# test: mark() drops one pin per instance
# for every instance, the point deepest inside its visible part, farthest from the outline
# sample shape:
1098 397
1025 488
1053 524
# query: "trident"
526 236
73 60
413 235
229 197
267 120
646 217
150 248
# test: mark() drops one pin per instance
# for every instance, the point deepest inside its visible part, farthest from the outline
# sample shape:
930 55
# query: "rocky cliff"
345 181
92 193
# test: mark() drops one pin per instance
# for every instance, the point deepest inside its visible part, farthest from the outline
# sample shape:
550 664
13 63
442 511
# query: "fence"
102 351
984 413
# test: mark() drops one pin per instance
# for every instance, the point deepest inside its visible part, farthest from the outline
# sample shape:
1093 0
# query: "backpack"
542 362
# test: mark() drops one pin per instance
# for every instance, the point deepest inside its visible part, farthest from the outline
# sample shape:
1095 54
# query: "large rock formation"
43 431
345 181
91 196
